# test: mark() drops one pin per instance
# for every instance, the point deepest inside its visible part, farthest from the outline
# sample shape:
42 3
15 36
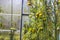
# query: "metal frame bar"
25 14
11 12
21 20
22 14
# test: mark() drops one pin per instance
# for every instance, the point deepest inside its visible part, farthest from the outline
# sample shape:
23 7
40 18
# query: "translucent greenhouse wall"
29 20
10 19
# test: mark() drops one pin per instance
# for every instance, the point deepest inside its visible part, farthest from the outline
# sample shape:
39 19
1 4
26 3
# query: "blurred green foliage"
44 21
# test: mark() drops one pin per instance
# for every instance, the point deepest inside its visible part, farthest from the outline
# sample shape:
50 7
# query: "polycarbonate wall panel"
5 6
16 21
10 16
17 6
6 24
25 19
25 7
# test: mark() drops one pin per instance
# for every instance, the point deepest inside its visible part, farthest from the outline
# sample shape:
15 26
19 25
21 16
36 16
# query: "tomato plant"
42 24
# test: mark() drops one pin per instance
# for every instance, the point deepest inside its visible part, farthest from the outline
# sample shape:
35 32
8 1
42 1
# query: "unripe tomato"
40 14
37 15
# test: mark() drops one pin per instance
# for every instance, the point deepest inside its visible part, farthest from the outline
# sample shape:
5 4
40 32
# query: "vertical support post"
12 34
21 20
11 12
12 30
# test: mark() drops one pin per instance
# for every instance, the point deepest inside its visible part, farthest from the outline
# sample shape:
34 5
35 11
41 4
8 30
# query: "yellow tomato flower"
29 3
37 14
40 14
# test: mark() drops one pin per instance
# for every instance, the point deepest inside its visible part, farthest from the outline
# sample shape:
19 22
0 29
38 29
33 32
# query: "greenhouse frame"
29 19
